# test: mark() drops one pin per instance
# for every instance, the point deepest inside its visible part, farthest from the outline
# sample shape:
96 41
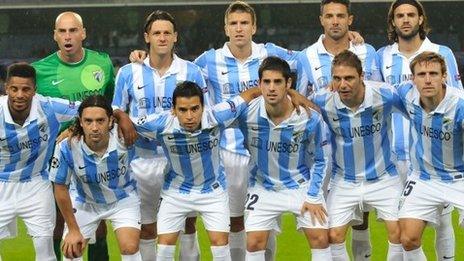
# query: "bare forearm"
250 94
64 203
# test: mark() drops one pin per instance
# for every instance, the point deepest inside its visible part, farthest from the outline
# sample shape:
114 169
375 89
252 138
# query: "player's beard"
408 36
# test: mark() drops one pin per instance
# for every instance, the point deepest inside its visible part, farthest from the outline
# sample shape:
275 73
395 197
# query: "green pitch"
291 245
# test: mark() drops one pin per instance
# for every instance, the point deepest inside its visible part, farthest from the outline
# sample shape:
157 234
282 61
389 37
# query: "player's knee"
236 224
129 248
410 241
336 236
319 239
190 225
220 240
255 243
148 231
394 235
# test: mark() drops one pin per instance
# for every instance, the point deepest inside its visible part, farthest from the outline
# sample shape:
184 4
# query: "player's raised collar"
112 145
173 69
33 114
321 48
425 46
367 102
257 51
444 105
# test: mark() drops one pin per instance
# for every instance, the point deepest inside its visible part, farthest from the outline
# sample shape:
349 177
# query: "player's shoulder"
98 57
50 60
445 51
98 54
206 57
381 88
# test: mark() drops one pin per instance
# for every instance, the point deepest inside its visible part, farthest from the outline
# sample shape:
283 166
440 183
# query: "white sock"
189 250
165 252
270 246
444 238
134 257
395 252
360 244
44 248
255 256
321 254
221 253
147 249
237 244
339 252
414 255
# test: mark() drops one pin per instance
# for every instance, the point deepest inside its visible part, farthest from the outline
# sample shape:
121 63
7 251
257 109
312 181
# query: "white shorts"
149 174
122 213
264 207
425 199
347 200
236 169
175 207
11 231
32 201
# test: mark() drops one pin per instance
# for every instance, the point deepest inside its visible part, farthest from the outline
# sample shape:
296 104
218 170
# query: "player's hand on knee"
137 56
73 244
317 212
300 100
355 37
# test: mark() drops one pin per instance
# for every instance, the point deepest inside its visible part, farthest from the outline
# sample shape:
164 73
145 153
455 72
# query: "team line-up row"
207 144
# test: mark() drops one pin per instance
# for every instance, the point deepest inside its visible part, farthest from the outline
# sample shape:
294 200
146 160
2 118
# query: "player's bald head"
68 16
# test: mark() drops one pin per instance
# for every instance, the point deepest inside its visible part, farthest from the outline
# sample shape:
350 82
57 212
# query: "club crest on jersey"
377 115
98 75
226 88
322 81
447 123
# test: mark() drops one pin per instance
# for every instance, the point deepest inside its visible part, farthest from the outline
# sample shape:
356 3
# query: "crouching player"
103 187
287 164
194 180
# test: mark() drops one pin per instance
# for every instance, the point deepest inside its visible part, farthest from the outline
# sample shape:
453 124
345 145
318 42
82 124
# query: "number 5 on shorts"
408 188
251 200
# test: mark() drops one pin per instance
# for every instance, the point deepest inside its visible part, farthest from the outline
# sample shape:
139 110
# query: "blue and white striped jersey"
395 70
314 66
361 139
193 157
437 137
26 150
96 180
141 91
227 77
287 155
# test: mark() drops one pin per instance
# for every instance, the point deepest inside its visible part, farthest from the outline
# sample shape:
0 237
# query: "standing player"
73 73
314 73
229 71
143 89
98 164
282 143
407 31
30 125
359 119
194 178
436 112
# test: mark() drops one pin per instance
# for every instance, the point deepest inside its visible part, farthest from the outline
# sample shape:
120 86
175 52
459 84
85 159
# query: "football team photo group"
234 140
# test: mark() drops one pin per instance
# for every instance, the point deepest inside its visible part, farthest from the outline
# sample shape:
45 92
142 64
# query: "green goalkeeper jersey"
75 81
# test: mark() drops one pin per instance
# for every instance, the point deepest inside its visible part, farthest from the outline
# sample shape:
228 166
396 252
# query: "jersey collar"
33 114
290 121
321 48
173 69
257 51
426 45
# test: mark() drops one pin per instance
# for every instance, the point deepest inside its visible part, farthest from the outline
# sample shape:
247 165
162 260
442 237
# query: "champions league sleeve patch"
72 104
457 77
55 163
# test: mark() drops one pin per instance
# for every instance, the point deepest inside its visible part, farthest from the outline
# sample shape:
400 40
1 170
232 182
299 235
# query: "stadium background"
115 27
